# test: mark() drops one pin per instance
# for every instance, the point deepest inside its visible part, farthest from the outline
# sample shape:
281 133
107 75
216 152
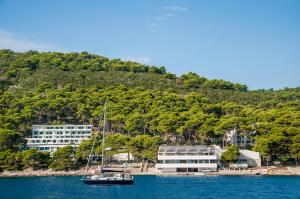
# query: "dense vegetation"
147 106
231 154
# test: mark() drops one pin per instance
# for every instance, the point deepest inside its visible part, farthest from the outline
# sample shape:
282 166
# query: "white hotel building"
52 137
186 159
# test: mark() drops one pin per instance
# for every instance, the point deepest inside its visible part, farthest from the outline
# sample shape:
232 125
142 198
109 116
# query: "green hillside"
56 88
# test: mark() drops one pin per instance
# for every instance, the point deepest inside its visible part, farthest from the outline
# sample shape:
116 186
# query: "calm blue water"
154 187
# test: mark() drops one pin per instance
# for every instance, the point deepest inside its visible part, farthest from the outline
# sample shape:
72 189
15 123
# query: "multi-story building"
52 137
186 159
236 138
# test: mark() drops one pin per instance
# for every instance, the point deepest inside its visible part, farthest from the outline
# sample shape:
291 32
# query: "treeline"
176 118
30 68
34 60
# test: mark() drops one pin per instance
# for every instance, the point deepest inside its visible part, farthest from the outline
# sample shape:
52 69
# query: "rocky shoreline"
41 173
280 171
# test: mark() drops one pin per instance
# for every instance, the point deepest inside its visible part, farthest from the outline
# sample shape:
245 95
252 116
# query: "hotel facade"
186 159
52 137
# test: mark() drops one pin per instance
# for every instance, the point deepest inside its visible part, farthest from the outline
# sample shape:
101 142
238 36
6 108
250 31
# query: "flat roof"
185 149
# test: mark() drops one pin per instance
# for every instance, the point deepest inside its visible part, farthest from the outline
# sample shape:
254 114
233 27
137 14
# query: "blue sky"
253 42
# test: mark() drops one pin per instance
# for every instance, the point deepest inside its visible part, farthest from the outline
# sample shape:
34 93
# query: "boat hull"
108 182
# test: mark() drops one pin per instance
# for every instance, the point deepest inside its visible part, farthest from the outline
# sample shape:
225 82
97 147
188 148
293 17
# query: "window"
35 133
182 161
192 153
44 141
54 141
192 161
181 153
169 161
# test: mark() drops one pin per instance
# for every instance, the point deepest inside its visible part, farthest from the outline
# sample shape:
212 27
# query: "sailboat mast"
103 133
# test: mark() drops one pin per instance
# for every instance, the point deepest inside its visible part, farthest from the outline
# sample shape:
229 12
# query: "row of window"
60 132
61 136
54 141
68 127
186 161
48 148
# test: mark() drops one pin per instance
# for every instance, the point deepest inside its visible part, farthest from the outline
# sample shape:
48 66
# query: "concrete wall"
252 158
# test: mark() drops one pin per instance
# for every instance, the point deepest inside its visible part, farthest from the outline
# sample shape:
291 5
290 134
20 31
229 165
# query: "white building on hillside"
247 159
236 138
186 159
51 137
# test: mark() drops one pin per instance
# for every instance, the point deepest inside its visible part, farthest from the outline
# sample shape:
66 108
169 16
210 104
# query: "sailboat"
102 175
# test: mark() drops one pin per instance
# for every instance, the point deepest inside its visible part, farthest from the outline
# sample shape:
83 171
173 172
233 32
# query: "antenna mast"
103 133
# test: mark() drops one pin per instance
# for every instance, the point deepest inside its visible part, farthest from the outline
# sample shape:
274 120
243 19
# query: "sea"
158 187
